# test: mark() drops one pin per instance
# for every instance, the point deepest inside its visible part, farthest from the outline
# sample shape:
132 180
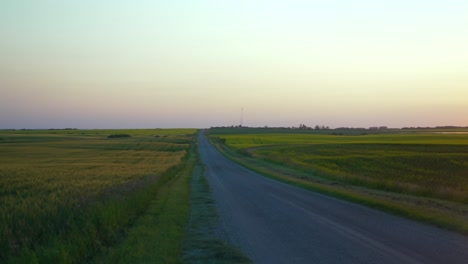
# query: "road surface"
272 222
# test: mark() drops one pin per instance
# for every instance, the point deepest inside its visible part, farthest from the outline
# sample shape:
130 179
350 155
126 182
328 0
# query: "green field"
70 196
244 141
439 170
428 171
67 195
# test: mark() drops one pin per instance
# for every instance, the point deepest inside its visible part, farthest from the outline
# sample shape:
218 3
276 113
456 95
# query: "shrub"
119 136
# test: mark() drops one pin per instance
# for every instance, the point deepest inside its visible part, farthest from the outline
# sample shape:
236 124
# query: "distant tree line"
378 128
305 127
322 127
437 127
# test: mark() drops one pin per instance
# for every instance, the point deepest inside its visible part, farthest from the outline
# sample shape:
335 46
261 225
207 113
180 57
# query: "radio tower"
242 116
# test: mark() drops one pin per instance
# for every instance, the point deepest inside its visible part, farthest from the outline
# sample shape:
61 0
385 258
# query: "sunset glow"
145 64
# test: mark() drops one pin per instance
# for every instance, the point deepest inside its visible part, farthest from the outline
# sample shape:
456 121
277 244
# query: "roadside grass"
429 170
157 236
292 163
178 227
202 244
65 198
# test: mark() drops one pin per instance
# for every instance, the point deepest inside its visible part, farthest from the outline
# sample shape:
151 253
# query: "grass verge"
157 236
455 218
201 244
98 227
178 226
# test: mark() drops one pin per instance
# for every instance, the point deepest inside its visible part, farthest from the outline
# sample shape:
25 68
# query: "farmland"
67 195
439 171
421 167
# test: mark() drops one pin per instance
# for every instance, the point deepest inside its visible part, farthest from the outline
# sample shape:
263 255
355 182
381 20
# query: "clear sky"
145 64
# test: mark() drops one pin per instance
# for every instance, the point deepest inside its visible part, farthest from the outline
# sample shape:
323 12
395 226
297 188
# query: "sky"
185 63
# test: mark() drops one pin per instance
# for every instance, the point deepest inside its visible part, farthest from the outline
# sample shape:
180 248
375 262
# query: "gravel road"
272 222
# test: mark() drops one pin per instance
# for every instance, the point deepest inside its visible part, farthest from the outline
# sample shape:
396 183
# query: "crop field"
67 194
430 165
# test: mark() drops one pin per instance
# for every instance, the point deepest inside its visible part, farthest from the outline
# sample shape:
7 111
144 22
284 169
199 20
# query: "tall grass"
439 171
64 198
157 235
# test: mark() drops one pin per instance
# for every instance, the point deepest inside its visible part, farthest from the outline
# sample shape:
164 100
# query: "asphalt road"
272 222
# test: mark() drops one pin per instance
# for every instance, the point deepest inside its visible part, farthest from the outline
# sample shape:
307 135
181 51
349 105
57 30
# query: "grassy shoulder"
201 243
448 215
178 226
157 236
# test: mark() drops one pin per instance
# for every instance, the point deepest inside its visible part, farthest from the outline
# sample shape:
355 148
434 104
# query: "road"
272 222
